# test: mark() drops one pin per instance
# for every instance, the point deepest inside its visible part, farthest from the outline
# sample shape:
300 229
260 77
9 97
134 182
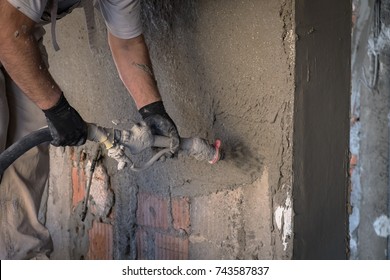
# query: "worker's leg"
22 236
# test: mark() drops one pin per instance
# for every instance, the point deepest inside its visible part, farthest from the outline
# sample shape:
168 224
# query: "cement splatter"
283 219
249 161
102 197
382 226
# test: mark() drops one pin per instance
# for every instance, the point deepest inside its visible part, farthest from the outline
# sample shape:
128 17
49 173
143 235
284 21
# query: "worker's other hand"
160 123
137 139
66 125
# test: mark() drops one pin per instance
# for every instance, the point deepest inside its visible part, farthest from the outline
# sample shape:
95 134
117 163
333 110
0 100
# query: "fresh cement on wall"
222 56
224 69
321 129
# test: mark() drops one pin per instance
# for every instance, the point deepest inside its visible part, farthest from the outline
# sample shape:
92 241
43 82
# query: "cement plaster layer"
224 69
321 128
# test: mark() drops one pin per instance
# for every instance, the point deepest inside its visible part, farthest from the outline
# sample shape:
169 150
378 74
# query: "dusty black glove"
66 125
160 123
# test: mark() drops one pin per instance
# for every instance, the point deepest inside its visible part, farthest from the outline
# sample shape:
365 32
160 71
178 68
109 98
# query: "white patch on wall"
382 226
283 220
101 198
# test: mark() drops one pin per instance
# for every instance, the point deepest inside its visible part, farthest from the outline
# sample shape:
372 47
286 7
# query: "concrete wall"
236 70
225 69
370 87
321 129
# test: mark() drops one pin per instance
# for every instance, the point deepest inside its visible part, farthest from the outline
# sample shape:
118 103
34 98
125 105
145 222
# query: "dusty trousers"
22 235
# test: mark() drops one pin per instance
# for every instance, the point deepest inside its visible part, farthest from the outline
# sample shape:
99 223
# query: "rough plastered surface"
225 69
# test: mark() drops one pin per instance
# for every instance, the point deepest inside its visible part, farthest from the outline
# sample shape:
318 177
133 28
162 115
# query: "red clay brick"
169 247
354 160
152 211
352 163
100 242
181 213
78 185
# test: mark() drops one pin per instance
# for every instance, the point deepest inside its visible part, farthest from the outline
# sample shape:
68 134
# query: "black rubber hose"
17 149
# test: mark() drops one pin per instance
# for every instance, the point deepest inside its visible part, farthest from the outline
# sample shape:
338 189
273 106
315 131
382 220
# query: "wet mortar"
224 71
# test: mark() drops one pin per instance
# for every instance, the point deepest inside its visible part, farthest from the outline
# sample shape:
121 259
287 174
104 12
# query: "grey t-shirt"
122 17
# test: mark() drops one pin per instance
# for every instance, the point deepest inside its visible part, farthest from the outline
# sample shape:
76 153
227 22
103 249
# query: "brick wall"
99 234
163 227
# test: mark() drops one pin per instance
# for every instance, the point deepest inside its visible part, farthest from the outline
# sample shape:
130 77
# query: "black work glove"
66 125
160 123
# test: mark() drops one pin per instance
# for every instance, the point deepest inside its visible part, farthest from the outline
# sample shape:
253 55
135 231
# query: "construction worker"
31 99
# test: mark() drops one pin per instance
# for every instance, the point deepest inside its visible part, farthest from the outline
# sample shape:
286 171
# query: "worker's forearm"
135 69
20 55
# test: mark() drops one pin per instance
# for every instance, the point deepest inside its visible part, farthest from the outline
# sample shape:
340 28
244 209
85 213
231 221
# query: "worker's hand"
66 125
137 139
160 123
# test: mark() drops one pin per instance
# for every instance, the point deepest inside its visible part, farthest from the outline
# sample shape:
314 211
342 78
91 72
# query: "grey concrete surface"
225 69
370 188
321 129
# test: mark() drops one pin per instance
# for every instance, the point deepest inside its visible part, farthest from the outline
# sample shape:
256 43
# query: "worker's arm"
132 60
20 56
